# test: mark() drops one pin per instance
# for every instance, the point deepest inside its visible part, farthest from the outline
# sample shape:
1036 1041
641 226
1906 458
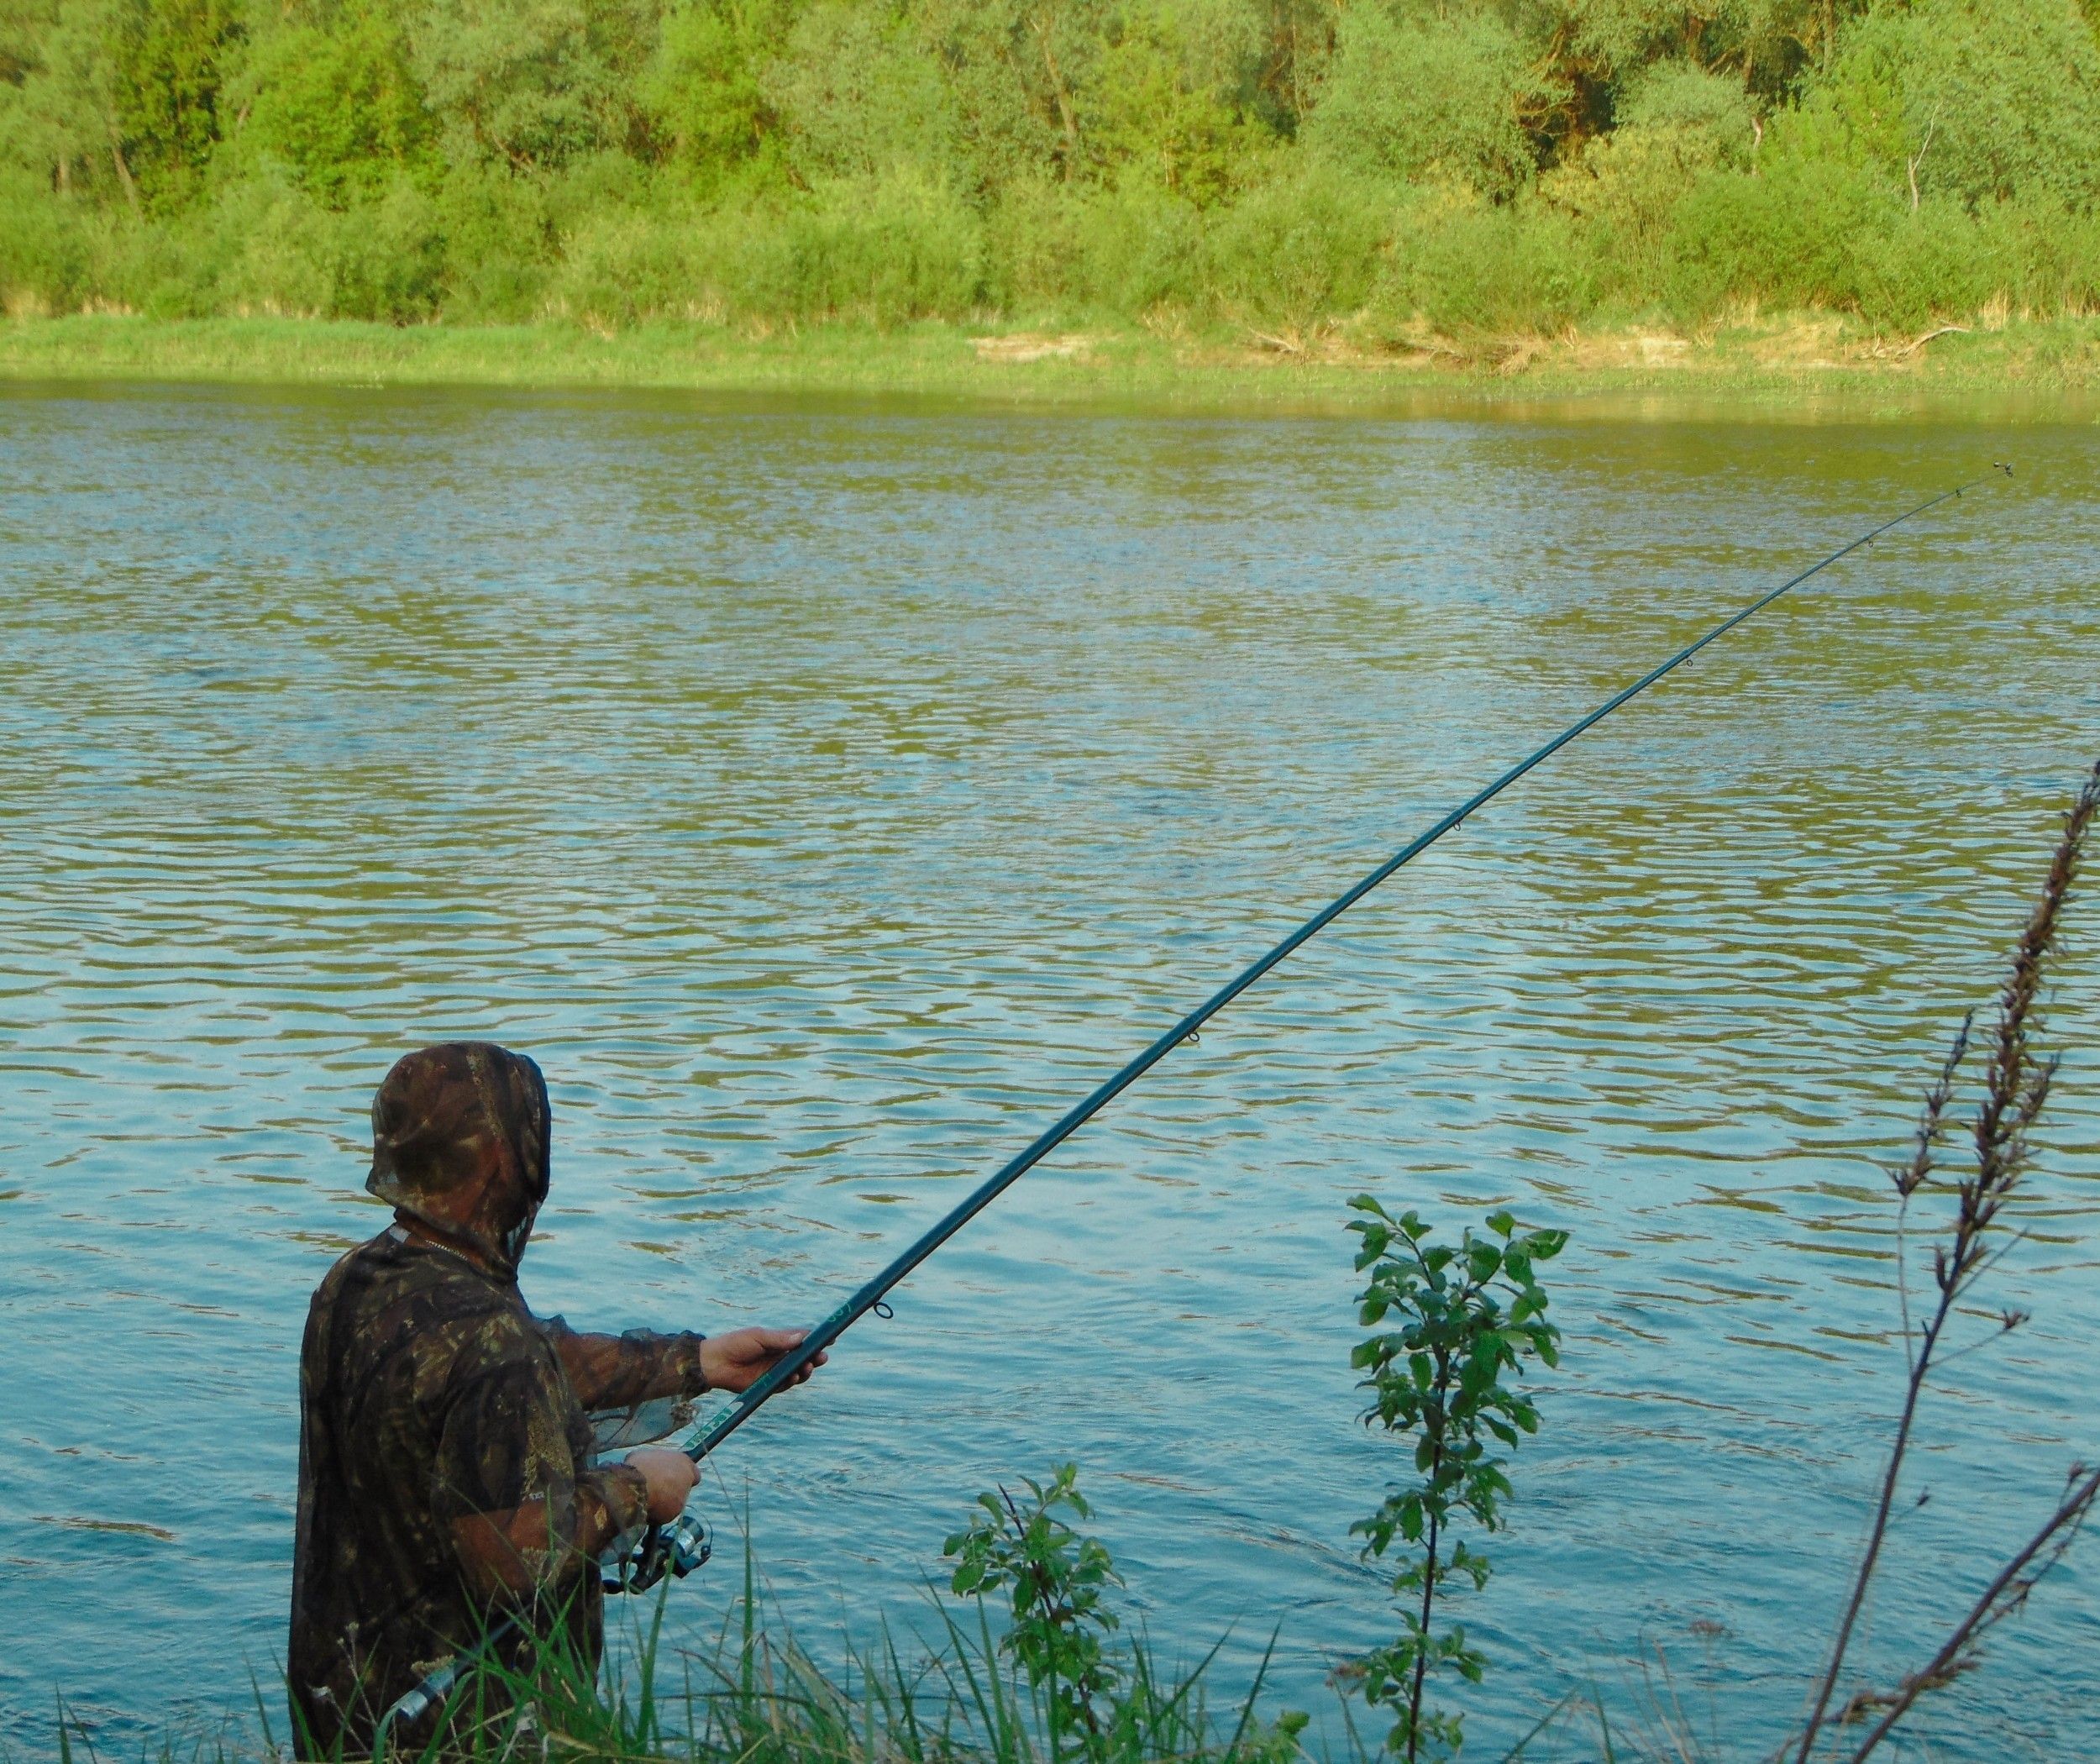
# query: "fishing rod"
870 1297
679 1548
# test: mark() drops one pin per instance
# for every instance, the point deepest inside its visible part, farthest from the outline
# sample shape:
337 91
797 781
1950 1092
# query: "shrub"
1410 96
1467 266
1036 232
1679 124
390 260
1142 250
162 268
1709 111
1055 1579
1299 250
45 259
270 249
499 242
1787 236
891 249
627 266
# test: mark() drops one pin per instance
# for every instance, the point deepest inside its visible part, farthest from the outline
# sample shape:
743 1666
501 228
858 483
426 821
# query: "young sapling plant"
1454 1324
1055 1578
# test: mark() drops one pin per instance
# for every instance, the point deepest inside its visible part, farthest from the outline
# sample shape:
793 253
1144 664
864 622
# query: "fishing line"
871 1295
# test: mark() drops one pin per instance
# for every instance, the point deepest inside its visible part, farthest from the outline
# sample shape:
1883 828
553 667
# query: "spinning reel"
676 1550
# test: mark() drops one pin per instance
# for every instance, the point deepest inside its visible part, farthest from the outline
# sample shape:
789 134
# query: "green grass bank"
1804 362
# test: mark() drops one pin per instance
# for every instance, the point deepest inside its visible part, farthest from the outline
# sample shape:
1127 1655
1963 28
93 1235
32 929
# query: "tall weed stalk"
2015 1088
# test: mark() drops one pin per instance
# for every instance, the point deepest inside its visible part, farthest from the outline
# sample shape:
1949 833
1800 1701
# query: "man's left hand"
739 1359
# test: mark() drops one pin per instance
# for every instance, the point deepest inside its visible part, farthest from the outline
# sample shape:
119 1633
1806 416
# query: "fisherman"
447 1478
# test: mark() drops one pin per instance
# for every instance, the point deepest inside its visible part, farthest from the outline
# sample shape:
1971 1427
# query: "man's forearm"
537 1547
616 1372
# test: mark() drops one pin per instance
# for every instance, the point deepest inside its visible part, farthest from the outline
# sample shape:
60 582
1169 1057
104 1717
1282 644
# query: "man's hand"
670 1475
739 1359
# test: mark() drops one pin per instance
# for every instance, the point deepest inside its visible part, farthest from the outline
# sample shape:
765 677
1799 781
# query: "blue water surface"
828 793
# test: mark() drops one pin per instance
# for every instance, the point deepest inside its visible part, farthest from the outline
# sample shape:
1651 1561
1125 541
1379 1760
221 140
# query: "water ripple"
827 795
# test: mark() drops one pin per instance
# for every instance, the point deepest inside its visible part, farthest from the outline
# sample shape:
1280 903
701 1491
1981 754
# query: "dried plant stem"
2015 1091
2003 1596
1932 1128
1878 1532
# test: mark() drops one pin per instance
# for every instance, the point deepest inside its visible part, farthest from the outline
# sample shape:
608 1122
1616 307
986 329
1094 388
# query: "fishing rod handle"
407 1710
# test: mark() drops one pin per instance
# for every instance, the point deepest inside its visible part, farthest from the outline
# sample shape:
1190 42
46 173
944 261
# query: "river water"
827 793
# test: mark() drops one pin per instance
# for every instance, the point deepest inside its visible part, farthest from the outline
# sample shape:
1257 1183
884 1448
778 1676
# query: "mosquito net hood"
459 1141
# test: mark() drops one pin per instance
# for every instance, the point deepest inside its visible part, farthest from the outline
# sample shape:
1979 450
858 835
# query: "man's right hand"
670 1475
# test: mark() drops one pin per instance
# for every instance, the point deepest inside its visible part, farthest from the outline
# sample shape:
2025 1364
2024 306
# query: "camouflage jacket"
446 1477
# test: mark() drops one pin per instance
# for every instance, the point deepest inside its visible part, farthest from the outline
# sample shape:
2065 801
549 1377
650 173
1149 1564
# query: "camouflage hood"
459 1141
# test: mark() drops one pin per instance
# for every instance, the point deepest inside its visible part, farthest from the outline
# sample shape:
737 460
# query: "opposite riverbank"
1808 360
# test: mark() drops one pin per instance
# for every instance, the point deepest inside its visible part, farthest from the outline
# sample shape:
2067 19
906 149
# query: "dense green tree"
25 26
340 107
858 93
168 62
1980 100
1171 99
59 115
1006 62
1279 165
1412 95
704 89
1298 43
534 84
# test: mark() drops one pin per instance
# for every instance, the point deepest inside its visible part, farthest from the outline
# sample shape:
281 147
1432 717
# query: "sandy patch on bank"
1027 346
1808 344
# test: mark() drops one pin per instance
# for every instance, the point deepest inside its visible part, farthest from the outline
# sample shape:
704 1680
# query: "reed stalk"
2015 1089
